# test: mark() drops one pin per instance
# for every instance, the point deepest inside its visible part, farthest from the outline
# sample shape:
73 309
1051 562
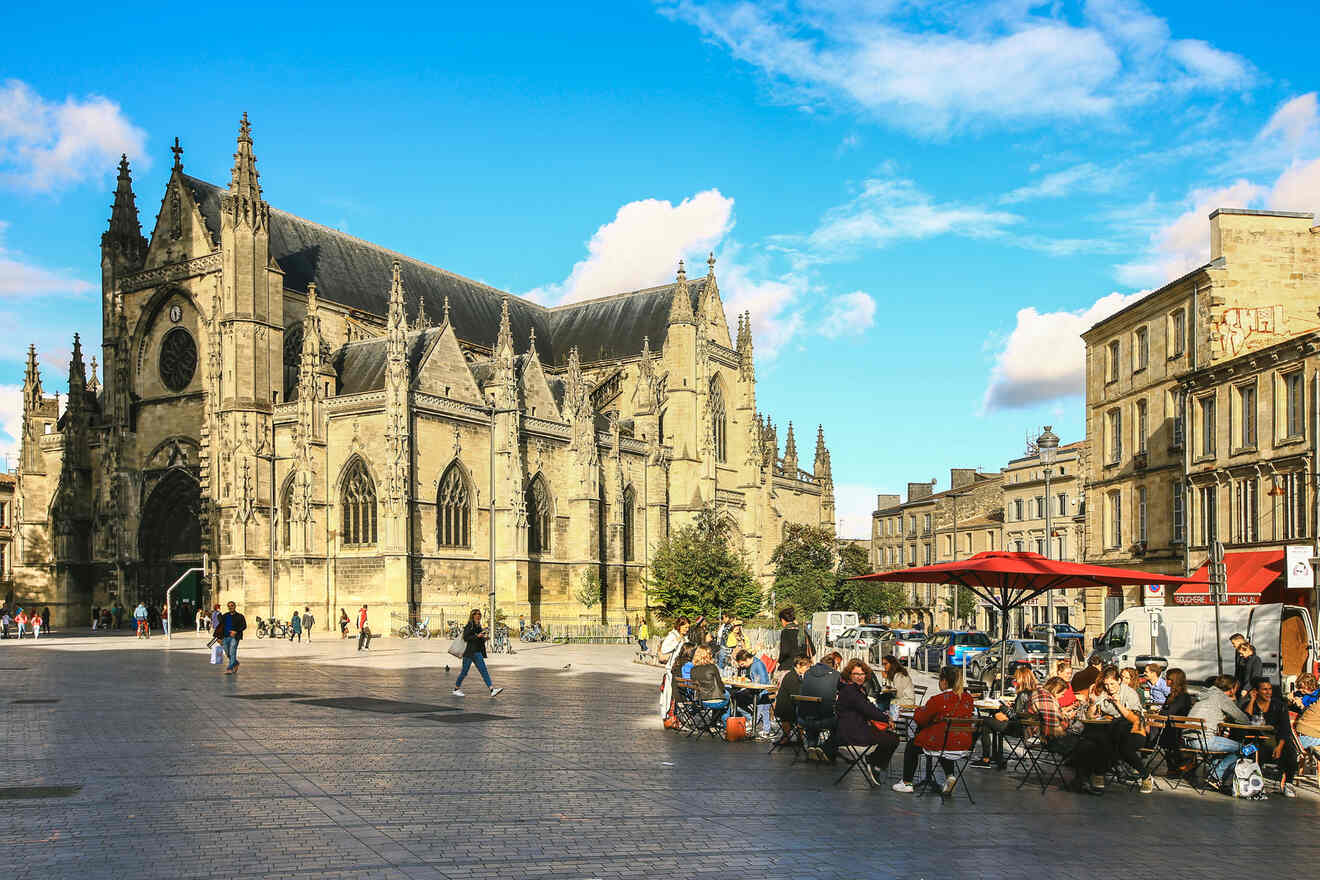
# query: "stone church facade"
322 422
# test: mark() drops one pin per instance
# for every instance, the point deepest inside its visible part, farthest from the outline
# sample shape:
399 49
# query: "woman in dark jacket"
474 634
855 713
1251 668
1177 703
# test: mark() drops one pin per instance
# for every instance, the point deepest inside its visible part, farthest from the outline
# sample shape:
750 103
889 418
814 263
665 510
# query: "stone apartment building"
1197 414
932 527
7 482
324 422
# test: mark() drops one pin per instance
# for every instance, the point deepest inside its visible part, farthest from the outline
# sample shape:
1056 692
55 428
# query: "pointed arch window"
286 514
453 505
358 505
629 506
719 421
538 516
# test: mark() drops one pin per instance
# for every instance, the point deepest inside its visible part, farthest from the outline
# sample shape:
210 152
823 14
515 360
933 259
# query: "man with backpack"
792 642
1214 707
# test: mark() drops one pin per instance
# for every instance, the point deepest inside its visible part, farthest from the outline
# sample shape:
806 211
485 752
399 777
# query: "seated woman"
1126 733
683 662
855 713
705 676
1006 722
896 677
753 669
951 702
790 686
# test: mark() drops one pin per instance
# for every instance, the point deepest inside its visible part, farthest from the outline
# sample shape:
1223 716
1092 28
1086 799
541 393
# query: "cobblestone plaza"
129 759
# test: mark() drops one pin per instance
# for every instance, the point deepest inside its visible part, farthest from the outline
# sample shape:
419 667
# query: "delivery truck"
1183 636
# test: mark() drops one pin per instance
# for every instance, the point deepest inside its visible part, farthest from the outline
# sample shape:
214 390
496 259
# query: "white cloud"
937 68
1298 188
1044 358
45 145
892 209
641 246
1295 123
848 314
1086 177
747 284
20 278
853 504
11 422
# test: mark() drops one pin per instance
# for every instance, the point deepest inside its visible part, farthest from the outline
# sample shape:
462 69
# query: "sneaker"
983 763
902 787
1148 785
950 783
229 672
459 693
495 692
1287 790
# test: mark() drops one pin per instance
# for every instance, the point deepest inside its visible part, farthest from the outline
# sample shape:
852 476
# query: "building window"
1019 509
912 554
1061 547
719 422
948 546
1141 350
1177 333
286 516
1294 505
538 516
1040 546
453 509
1141 514
1207 409
1114 518
1111 365
1245 510
968 543
4 514
912 527
1245 416
926 553
629 506
1019 546
1174 405
1040 506
925 524
1141 427
1208 498
358 506
1062 500
1114 436
1294 405
1179 514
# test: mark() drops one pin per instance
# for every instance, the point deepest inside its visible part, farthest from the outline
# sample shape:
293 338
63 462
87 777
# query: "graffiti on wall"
1233 329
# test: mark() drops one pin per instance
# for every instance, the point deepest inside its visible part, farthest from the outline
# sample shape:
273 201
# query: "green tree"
966 602
804 569
867 598
695 571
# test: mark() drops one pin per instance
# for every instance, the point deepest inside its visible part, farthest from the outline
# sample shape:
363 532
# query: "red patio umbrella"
1007 580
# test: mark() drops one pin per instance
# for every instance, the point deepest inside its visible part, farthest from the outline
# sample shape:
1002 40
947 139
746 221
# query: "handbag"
217 654
735 728
458 646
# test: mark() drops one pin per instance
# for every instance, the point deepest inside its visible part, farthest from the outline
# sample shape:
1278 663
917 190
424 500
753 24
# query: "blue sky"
922 203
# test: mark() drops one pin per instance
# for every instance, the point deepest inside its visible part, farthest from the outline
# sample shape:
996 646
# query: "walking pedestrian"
343 624
364 631
201 620
140 614
5 622
45 619
295 626
118 613
37 621
21 619
230 630
165 619
307 621
474 634
643 634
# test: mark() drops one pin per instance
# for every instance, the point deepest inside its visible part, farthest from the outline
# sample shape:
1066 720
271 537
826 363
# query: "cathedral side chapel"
330 424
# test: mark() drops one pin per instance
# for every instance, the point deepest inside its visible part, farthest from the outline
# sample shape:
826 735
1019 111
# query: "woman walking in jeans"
475 653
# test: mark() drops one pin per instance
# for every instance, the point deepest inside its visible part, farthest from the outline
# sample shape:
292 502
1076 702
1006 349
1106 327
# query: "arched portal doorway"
170 538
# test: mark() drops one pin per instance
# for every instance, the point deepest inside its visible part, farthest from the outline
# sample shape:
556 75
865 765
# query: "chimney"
959 477
884 502
917 491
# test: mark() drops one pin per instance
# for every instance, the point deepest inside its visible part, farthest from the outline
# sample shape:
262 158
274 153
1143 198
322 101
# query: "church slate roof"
356 273
360 366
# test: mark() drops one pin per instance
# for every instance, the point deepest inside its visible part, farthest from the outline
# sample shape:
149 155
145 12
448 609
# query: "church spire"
747 364
77 370
93 384
680 310
822 465
32 393
178 156
397 322
124 234
423 321
504 342
243 179
790 453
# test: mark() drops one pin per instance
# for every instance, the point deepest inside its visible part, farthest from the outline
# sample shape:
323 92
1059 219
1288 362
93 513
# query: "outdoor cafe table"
1247 732
986 709
742 684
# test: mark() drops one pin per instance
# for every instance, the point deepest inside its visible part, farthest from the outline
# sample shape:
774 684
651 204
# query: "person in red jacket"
951 702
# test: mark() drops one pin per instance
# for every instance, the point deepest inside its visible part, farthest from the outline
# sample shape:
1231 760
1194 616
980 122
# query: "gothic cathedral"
318 421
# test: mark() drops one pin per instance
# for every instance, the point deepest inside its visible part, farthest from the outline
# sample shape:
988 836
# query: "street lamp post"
1047 446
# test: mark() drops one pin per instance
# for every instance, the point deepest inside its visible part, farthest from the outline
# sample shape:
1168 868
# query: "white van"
1184 636
826 625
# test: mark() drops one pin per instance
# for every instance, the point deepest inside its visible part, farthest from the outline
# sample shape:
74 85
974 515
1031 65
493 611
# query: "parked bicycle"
276 629
534 634
454 629
415 630
499 643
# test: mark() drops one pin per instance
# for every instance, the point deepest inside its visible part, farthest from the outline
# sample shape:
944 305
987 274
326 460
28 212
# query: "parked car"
1067 638
861 638
952 648
902 643
1031 652
825 626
